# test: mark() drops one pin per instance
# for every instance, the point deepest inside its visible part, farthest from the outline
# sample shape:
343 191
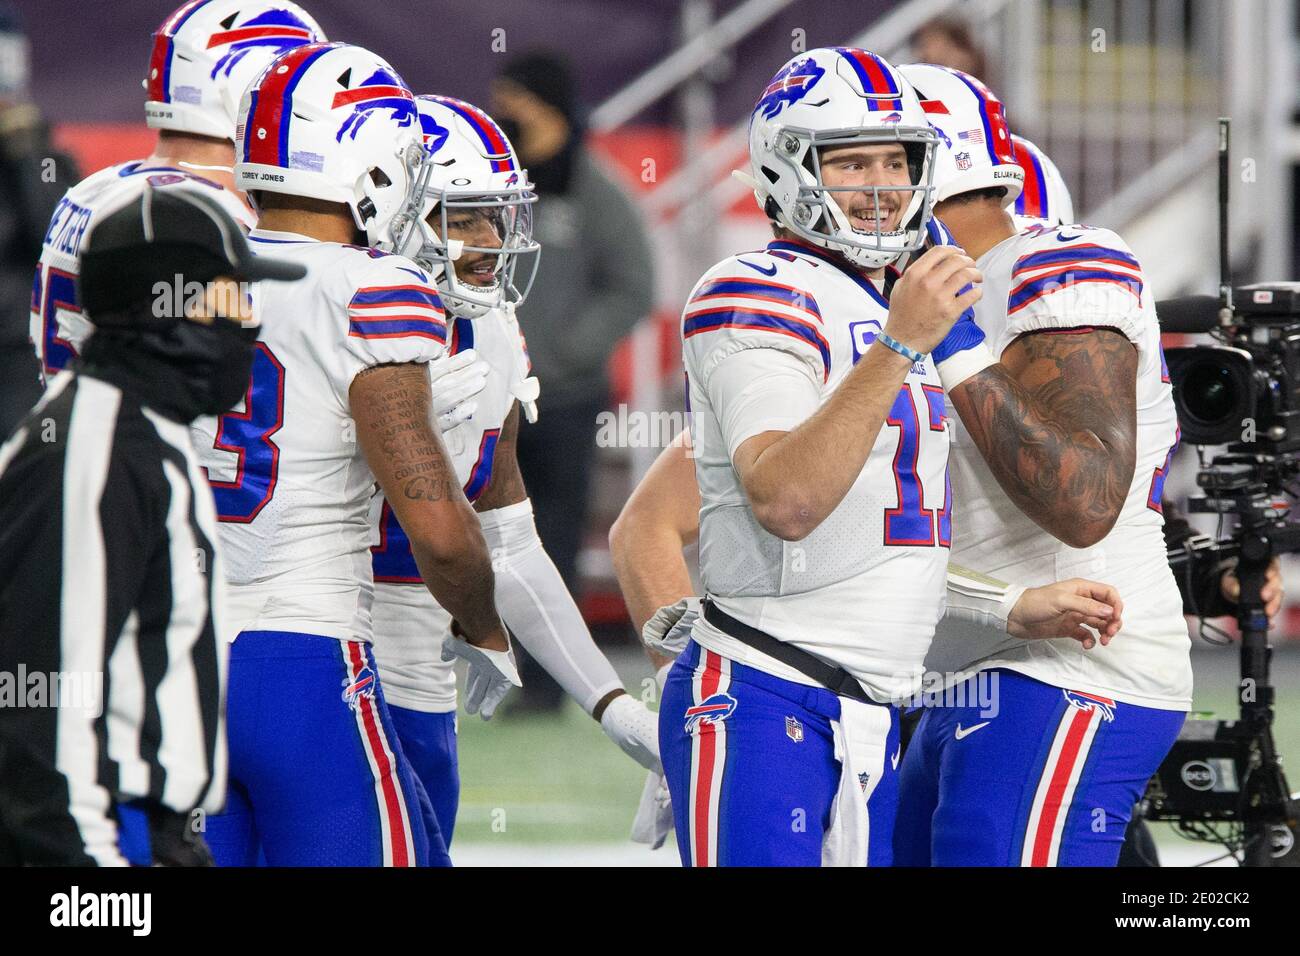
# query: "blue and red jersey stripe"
1085 254
1033 289
761 290
711 320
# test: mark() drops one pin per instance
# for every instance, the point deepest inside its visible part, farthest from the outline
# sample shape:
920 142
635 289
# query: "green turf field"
529 782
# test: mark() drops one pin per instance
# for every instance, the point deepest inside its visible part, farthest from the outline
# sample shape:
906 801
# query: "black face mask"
184 371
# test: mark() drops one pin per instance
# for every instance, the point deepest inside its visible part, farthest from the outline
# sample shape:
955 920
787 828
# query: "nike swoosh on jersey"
766 272
1062 237
894 759
967 731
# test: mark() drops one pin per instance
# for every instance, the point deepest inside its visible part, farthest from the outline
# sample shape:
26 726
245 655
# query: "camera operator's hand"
1271 593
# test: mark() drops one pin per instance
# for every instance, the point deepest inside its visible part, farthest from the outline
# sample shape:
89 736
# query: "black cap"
157 235
548 76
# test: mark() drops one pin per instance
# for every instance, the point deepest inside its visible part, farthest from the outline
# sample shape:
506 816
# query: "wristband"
889 342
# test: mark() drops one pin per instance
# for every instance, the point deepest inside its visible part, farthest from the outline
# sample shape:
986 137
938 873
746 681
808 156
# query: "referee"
112 675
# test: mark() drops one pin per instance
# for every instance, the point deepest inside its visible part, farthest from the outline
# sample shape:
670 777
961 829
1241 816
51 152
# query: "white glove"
670 628
454 381
654 814
635 728
491 673
523 386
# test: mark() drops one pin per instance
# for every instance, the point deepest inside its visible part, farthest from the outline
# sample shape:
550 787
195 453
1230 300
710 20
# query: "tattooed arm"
1057 423
390 404
506 486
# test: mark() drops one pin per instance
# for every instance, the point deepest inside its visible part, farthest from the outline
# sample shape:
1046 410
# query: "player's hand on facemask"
454 381
1067 609
490 676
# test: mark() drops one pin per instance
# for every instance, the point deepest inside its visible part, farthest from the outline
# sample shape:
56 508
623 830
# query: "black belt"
835 679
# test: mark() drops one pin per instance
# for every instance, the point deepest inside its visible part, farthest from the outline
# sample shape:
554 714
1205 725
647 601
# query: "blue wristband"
889 342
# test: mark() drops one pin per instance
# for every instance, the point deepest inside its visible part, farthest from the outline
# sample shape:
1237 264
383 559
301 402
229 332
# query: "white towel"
861 736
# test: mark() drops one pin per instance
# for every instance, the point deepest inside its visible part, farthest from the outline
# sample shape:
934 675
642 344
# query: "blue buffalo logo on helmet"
714 709
280 30
434 133
1090 702
789 86
382 90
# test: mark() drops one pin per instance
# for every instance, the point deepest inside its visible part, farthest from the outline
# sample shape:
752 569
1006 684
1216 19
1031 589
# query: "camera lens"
1209 393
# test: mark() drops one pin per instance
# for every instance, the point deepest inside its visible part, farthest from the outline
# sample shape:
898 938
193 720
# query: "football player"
1059 460
339 398
821 456
204 55
664 514
470 225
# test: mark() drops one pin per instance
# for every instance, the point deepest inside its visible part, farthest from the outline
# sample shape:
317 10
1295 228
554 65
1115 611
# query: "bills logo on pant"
363 686
712 710
1104 705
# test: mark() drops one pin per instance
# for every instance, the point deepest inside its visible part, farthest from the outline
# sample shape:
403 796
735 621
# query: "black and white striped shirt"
108 573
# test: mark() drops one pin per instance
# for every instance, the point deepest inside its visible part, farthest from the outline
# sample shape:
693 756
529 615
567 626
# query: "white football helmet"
469 169
334 122
1045 197
976 151
207 52
839 97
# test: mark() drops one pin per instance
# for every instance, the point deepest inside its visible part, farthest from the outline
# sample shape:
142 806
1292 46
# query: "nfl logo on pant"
794 729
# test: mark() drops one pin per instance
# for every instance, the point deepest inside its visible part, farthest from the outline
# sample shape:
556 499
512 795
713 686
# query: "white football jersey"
865 589
1071 277
409 625
291 485
57 327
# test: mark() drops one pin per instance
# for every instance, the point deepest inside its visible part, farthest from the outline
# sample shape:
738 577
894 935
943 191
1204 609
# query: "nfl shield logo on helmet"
794 729
962 160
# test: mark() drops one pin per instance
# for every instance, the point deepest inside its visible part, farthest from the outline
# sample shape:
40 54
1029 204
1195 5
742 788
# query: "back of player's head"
829 98
975 152
1045 197
207 51
469 170
331 122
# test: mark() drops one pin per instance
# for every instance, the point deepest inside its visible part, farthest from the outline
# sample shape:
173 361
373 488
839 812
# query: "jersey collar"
270 236
816 252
